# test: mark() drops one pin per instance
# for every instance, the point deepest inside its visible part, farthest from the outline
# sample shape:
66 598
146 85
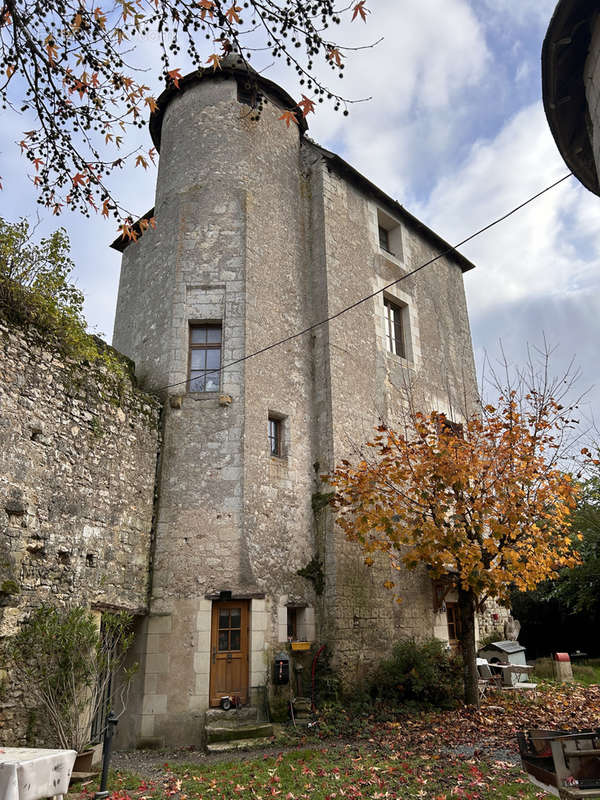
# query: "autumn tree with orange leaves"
483 505
69 65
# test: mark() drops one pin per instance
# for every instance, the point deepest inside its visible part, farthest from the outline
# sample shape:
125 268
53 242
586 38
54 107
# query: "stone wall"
78 450
360 383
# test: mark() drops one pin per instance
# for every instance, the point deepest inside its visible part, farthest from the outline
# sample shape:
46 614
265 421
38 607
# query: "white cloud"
539 250
537 273
508 13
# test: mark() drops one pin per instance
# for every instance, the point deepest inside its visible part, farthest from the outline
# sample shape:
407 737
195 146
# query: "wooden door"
229 650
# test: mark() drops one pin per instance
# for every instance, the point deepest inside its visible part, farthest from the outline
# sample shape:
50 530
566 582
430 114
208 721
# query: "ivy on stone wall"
313 571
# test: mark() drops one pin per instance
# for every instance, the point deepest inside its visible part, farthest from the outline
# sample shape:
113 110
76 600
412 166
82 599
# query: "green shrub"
65 664
36 289
421 673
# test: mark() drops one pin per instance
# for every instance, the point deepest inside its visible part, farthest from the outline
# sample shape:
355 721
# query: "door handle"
229 657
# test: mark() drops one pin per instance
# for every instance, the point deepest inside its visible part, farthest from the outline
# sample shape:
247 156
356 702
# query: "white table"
32 774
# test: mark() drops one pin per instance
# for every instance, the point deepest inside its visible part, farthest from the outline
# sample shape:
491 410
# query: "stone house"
571 86
261 234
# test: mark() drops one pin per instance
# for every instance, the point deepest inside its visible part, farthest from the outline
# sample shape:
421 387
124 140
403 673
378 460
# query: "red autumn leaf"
232 14
360 10
175 75
206 6
289 116
215 60
333 54
307 105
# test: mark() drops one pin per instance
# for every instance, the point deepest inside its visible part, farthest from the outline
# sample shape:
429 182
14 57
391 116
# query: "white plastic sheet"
32 774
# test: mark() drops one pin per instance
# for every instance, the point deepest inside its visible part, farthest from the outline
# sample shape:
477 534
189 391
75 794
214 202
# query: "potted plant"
66 664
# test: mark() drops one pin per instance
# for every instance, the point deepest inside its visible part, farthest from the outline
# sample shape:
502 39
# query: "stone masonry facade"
78 452
262 232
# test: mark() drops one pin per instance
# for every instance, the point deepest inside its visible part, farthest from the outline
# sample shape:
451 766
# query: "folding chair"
487 679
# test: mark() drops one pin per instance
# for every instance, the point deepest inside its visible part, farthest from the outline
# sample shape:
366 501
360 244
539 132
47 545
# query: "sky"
455 131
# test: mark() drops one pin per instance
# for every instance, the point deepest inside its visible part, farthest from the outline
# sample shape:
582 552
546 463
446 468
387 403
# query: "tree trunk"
466 610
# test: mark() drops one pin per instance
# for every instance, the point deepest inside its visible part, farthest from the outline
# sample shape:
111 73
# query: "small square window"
384 239
394 328
275 436
292 624
389 232
205 357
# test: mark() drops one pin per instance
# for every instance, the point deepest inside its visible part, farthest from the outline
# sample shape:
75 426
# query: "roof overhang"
564 53
231 67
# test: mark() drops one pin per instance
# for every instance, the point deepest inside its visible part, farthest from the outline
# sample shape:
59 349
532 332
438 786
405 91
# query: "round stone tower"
221 276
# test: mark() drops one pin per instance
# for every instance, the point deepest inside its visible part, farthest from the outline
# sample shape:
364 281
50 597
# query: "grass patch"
124 783
586 674
331 774
355 773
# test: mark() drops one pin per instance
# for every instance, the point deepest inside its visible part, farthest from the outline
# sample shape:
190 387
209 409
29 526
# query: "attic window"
384 239
246 92
389 233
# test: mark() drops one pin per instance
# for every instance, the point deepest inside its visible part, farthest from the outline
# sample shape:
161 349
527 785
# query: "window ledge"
204 395
391 258
278 459
400 359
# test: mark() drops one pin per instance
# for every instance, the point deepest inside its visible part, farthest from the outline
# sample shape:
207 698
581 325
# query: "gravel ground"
150 764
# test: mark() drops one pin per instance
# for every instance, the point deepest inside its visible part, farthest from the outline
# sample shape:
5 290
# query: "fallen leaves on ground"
494 726
465 754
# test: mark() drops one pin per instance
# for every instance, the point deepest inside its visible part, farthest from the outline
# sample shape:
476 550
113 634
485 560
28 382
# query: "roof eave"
234 68
564 53
366 185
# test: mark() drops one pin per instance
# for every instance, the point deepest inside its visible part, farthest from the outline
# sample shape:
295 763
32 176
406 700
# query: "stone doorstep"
229 730
237 744
245 714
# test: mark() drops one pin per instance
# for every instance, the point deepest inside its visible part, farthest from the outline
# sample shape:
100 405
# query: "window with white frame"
395 324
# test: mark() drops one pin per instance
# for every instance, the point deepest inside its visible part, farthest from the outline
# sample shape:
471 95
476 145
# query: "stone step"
244 714
230 730
302 704
237 744
302 722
